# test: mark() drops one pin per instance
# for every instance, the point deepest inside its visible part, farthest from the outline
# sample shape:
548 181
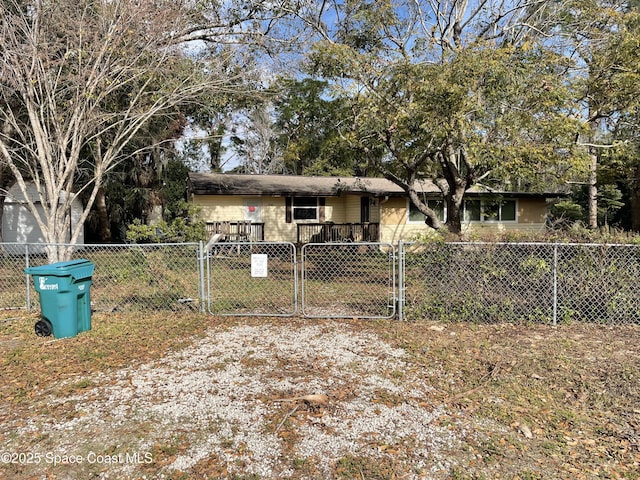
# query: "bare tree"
78 80
256 145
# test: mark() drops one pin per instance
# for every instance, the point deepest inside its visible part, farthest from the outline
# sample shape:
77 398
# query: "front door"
365 210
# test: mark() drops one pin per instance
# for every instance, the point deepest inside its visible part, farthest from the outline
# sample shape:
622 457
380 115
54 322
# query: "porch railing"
338 232
237 231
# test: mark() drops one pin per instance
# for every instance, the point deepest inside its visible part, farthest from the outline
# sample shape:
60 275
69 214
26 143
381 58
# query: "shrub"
181 229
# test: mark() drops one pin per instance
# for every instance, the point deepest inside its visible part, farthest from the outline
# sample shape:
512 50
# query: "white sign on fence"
259 263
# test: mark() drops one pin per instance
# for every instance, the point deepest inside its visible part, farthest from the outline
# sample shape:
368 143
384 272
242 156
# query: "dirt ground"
195 397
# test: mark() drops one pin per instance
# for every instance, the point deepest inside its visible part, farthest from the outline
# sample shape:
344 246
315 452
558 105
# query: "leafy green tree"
450 92
626 169
309 121
565 213
603 37
625 124
184 228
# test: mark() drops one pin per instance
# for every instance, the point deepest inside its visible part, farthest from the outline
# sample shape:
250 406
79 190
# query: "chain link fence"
126 277
541 283
14 284
598 284
471 282
346 280
252 279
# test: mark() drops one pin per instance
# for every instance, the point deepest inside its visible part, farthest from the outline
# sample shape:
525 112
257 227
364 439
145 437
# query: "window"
472 209
490 211
437 205
305 208
508 211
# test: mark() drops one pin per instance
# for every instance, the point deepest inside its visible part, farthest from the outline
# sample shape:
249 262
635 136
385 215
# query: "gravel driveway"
229 406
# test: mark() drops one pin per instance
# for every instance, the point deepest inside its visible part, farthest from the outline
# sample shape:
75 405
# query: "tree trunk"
430 217
593 188
454 209
104 225
458 174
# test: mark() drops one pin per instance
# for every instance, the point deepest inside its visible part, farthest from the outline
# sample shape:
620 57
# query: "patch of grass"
32 364
299 463
350 467
385 397
457 473
556 400
164 453
178 476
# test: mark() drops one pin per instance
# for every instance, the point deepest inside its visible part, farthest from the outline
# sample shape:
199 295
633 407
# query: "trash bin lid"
77 269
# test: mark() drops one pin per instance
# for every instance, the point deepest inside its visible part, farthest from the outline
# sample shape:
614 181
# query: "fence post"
28 283
400 300
296 281
555 284
300 269
201 286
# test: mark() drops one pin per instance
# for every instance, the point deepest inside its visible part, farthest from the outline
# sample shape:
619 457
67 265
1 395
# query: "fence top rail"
346 244
414 242
550 244
261 243
102 245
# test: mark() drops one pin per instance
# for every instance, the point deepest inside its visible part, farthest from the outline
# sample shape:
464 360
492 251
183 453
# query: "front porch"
337 232
237 231
322 232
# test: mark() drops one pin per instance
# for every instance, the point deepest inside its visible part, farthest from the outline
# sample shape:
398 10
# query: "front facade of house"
319 209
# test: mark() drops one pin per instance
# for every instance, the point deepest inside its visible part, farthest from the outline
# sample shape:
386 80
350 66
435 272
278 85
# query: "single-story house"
20 226
319 209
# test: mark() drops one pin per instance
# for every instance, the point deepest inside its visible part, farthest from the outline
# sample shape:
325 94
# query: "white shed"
19 225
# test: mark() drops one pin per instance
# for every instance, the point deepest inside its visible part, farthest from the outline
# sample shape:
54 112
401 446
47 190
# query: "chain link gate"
258 279
348 280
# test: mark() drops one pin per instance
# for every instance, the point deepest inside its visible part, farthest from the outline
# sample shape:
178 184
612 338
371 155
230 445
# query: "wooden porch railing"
237 231
338 232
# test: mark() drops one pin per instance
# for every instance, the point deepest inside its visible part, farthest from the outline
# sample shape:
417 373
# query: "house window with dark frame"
437 205
508 211
305 209
490 211
472 211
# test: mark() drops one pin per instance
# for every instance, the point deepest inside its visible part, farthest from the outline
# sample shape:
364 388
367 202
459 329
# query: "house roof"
294 185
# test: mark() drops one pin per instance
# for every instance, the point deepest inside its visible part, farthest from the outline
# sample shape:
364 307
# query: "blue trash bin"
65 298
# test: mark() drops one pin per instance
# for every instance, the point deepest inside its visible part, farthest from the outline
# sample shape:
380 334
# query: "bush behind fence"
527 282
471 282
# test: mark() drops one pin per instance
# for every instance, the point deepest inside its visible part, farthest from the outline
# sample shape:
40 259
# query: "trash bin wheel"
43 328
